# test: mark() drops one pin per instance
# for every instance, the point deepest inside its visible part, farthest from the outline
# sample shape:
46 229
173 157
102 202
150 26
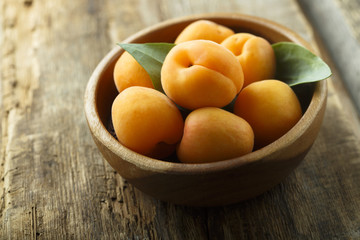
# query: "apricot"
271 108
255 55
204 29
213 134
201 73
147 122
128 72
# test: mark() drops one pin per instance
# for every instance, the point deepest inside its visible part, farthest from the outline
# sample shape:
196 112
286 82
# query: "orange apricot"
147 122
201 73
213 134
128 72
271 108
255 54
204 29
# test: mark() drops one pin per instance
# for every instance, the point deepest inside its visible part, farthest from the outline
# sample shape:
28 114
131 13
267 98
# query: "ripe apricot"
255 54
147 121
213 134
204 29
128 72
201 73
271 108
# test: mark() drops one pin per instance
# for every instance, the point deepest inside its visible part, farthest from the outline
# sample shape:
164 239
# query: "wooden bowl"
207 184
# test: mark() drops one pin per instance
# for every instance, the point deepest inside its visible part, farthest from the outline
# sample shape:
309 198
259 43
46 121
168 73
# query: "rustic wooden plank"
54 183
335 21
350 10
44 157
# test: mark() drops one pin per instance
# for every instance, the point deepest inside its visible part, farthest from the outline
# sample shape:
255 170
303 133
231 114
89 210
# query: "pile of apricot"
209 68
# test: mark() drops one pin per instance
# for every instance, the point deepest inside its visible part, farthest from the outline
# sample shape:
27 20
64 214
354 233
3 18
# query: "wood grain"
350 10
54 183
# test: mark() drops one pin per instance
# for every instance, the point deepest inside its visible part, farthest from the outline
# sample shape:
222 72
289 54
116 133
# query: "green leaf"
151 57
297 65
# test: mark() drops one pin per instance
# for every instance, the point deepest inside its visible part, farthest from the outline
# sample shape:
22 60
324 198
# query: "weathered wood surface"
337 22
54 183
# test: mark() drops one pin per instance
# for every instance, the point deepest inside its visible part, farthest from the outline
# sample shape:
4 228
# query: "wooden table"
55 184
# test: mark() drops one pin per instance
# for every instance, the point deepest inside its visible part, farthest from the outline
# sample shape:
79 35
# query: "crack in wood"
34 234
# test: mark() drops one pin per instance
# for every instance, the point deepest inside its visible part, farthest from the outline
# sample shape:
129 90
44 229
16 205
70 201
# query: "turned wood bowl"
206 184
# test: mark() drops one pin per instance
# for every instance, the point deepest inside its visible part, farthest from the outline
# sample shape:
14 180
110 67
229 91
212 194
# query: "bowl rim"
100 132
